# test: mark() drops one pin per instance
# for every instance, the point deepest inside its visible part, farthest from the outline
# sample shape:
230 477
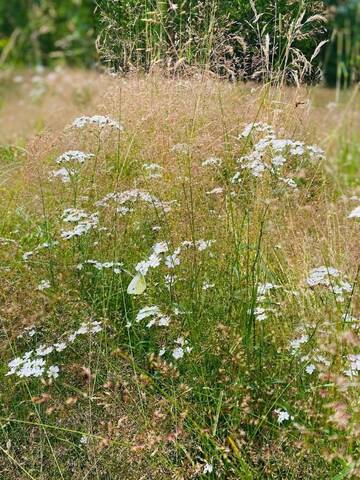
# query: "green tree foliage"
342 62
42 31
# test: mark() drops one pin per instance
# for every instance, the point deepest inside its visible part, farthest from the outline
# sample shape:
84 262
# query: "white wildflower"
147 312
59 347
132 196
212 162
171 261
310 368
53 371
63 173
297 342
97 120
283 416
208 468
75 156
289 182
178 353
260 314
354 365
278 161
163 321
203 244
44 350
43 285
321 276
86 222
256 127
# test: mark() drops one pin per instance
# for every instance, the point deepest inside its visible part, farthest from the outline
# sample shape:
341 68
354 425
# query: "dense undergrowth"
179 280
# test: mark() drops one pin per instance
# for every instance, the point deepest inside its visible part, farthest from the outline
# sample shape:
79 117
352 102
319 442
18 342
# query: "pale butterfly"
137 286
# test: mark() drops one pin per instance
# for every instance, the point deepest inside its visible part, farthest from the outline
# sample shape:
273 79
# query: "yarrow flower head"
43 285
208 468
321 276
116 267
121 199
181 348
283 415
63 173
157 318
97 120
212 162
33 363
354 365
271 154
85 222
75 156
154 259
329 277
297 342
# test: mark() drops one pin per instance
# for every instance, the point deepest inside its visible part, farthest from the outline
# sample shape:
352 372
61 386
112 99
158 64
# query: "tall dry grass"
216 407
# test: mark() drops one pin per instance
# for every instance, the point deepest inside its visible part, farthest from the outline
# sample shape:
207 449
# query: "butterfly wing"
137 286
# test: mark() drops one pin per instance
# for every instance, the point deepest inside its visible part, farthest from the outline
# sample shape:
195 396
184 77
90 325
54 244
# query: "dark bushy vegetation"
257 39
343 55
44 31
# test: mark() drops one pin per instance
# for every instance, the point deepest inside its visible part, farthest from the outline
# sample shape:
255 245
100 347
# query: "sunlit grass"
240 371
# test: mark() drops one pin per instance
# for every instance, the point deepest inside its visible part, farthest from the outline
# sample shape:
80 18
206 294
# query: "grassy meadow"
179 264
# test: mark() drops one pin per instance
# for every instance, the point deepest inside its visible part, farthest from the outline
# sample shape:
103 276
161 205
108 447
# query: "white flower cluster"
154 259
298 342
63 173
178 352
330 278
208 468
212 162
310 359
85 222
97 120
157 318
271 153
44 285
132 196
261 310
207 286
256 127
40 247
75 156
33 364
171 261
115 266
354 365
283 415
28 331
